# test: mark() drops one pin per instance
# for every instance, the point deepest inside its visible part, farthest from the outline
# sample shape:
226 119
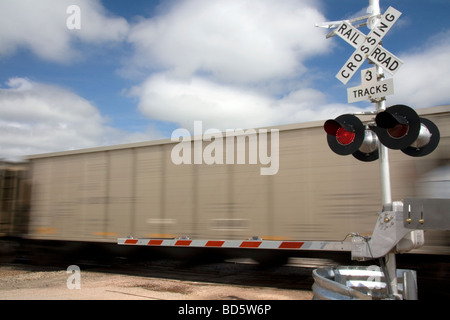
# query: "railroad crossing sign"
369 47
370 88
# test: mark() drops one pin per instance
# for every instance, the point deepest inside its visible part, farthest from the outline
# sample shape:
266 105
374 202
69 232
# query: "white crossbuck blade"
369 47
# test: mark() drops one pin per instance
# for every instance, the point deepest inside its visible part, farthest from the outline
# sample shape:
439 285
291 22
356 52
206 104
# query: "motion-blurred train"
95 196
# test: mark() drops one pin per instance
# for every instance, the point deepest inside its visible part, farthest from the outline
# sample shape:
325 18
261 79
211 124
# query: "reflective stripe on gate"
249 244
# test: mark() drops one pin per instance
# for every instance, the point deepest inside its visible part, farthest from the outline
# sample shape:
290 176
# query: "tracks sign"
370 88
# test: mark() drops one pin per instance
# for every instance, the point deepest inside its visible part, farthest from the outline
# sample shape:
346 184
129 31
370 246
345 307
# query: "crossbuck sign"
369 47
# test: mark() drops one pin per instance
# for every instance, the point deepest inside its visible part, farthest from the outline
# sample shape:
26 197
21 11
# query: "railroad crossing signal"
398 128
369 47
347 135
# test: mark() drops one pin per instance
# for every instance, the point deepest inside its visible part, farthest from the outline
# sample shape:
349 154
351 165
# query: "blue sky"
137 70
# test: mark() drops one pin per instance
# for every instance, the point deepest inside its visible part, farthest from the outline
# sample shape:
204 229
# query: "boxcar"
101 194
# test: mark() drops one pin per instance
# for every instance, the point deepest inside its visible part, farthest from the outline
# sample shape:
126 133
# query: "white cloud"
40 26
38 118
234 41
173 100
231 64
223 107
225 62
423 80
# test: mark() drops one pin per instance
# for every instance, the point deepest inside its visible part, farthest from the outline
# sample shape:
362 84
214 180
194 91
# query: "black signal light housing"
397 127
347 135
400 128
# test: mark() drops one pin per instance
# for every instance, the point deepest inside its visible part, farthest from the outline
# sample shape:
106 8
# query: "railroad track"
157 280
432 271
245 272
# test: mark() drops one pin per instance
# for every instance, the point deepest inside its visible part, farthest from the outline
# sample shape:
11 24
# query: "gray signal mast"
374 14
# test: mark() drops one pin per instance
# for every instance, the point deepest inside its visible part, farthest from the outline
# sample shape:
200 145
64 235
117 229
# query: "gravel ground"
30 283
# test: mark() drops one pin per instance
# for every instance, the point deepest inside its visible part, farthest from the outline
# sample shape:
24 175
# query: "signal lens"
344 137
398 131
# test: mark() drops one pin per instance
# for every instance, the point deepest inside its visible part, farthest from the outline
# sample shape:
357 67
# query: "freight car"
97 195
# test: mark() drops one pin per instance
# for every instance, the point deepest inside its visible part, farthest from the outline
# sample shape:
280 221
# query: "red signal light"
345 134
397 127
344 137
400 128
398 131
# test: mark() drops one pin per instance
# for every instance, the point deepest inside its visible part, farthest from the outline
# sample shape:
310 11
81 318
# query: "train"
158 189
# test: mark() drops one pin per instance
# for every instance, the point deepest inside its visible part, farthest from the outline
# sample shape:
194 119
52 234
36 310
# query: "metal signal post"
398 127
364 48
385 176
386 195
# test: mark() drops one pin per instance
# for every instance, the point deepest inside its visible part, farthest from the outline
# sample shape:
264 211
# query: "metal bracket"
426 214
335 24
389 233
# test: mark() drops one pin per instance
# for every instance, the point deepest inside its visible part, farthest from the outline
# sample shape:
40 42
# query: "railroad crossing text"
367 45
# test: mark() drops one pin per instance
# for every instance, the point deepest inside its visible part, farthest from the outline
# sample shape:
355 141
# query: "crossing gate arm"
239 244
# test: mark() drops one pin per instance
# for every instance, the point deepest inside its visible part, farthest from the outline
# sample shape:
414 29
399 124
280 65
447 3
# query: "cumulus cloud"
423 80
223 107
234 41
244 63
229 63
38 118
41 26
183 101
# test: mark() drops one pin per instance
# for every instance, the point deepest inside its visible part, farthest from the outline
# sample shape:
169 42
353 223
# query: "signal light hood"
398 116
